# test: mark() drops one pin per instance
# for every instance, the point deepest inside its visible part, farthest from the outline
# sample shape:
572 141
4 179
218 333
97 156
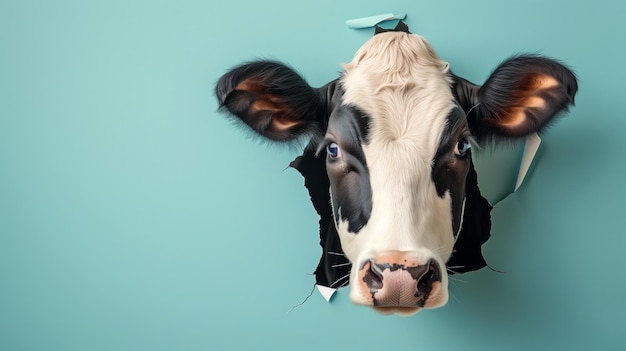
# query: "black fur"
467 254
334 268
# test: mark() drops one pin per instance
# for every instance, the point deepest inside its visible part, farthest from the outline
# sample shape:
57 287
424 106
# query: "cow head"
389 164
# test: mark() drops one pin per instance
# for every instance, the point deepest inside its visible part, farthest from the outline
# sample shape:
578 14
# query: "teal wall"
134 217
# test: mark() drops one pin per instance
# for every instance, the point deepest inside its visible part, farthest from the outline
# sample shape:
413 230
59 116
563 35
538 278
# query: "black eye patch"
351 194
471 220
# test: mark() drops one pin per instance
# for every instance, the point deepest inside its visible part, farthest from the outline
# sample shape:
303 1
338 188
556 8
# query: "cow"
388 164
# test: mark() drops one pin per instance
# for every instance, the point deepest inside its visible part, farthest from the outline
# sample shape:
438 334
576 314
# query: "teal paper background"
134 217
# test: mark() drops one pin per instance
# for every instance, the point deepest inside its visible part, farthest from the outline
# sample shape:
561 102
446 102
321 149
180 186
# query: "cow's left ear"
522 96
274 100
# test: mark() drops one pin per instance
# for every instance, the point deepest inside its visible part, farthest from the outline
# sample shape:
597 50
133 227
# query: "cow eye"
333 151
462 147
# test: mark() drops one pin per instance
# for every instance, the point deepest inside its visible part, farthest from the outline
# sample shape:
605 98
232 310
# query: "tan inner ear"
543 82
534 102
281 120
263 104
516 117
248 85
283 125
529 97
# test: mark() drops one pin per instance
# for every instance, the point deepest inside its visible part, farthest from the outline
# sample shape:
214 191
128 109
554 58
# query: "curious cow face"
389 162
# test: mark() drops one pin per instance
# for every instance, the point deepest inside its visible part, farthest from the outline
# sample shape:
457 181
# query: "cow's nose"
400 281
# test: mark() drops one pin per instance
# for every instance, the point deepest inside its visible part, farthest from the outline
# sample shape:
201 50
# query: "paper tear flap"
326 292
371 21
530 150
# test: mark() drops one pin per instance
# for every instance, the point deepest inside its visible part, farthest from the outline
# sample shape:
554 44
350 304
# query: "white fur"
401 83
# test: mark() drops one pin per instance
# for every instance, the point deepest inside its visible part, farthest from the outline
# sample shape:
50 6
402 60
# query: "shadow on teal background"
134 217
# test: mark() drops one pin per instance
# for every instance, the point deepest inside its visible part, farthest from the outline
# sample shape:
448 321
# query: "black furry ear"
522 96
272 99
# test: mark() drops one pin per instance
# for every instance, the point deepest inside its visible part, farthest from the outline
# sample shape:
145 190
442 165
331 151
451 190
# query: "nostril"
373 277
426 275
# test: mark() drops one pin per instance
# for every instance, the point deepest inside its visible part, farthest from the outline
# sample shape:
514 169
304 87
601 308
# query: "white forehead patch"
401 83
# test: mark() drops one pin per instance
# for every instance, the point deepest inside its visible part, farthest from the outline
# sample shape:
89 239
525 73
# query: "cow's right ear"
273 100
